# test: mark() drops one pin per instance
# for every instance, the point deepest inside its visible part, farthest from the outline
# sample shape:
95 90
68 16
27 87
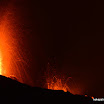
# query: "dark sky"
72 32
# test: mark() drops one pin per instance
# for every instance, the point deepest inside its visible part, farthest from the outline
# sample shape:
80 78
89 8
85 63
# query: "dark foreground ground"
12 91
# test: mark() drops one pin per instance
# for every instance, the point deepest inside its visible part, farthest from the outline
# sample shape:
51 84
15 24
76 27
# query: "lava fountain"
56 84
57 81
12 60
5 45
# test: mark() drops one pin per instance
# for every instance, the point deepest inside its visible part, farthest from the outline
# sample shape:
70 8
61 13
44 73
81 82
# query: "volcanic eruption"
12 60
16 62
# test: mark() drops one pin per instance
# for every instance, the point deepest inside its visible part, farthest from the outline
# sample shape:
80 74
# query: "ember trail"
11 57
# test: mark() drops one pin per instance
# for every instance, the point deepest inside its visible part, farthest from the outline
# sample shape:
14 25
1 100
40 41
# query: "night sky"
70 31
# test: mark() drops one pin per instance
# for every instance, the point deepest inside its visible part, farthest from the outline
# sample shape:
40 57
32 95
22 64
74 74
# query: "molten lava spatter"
67 85
0 64
57 84
12 60
6 47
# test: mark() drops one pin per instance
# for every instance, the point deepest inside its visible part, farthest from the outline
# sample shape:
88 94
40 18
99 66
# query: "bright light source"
0 64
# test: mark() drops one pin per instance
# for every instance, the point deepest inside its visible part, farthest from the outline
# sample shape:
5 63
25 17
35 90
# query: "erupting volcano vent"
67 85
55 81
56 84
11 55
5 45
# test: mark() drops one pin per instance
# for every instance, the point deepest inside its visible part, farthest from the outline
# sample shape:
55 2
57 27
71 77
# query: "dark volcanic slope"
16 92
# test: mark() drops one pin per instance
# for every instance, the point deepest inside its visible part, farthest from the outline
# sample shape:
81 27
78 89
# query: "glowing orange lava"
0 64
13 59
4 46
56 84
9 52
67 85
10 55
92 97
